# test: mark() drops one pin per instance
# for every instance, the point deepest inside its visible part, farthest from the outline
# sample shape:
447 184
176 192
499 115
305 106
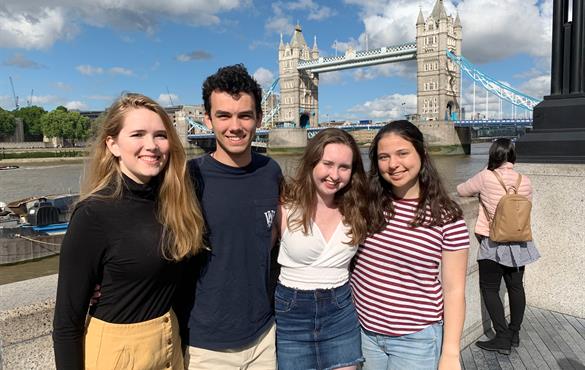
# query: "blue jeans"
316 329
416 351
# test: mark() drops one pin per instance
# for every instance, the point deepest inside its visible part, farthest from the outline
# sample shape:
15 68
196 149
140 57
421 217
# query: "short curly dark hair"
233 80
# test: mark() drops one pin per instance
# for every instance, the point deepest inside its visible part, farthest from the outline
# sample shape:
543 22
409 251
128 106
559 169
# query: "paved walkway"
548 340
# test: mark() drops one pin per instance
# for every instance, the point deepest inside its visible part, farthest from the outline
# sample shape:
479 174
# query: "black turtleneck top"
114 243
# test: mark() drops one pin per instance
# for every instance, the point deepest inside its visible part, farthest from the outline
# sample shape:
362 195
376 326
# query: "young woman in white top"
323 218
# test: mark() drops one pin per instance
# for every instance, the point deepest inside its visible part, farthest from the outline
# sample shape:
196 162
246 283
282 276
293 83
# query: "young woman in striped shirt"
410 319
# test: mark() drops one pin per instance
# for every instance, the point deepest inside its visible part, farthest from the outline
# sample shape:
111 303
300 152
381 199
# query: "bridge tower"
438 78
299 100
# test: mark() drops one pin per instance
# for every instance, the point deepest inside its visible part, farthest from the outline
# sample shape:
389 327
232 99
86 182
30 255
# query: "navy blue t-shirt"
229 298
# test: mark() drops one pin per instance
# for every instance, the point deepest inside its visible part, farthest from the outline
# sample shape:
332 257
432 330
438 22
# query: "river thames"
64 177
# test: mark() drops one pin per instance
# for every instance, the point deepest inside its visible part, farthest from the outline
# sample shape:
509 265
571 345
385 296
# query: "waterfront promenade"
548 340
554 284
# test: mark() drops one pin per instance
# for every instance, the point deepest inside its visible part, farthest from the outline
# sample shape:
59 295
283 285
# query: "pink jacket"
487 185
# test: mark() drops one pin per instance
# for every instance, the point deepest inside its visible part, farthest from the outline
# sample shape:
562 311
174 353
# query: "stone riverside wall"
25 145
556 282
26 308
26 316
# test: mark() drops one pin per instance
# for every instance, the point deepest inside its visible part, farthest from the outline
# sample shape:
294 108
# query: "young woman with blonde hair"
323 218
136 222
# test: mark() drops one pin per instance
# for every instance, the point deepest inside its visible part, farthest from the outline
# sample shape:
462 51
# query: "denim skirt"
316 329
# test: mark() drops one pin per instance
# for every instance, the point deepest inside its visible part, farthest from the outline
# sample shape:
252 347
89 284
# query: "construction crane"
13 93
170 98
30 101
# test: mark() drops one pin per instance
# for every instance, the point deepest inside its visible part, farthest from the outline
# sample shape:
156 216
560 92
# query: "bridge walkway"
548 340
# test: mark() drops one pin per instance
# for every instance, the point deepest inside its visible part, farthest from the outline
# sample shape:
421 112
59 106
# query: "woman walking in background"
497 260
136 221
323 217
410 319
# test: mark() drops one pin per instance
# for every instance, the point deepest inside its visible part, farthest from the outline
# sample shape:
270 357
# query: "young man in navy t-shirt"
228 314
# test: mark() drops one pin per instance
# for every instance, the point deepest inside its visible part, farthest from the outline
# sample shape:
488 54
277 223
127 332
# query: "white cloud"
89 70
402 69
534 87
497 29
315 11
279 22
194 55
21 61
279 25
62 86
47 101
75 105
281 19
259 43
492 29
264 77
385 108
6 102
537 87
101 97
33 26
43 100
121 71
331 78
167 100
38 24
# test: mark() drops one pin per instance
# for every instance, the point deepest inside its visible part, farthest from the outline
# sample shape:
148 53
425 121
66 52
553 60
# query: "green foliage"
66 125
96 124
7 123
31 117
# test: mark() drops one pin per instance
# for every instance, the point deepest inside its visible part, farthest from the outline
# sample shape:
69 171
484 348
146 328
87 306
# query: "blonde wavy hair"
177 206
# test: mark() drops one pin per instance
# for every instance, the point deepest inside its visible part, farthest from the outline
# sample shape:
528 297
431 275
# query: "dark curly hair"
433 197
232 80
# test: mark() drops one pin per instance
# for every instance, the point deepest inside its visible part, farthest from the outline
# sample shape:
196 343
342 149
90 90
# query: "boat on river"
33 227
8 167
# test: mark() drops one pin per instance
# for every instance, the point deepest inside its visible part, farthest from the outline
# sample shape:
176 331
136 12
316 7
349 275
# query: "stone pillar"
552 155
287 141
182 129
19 131
558 135
443 138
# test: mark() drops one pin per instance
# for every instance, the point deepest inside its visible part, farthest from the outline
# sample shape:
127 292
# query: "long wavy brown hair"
177 206
432 198
299 193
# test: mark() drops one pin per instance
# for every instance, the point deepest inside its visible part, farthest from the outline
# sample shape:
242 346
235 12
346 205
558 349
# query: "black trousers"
490 277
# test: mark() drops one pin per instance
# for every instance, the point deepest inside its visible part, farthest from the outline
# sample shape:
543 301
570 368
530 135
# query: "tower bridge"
438 77
440 64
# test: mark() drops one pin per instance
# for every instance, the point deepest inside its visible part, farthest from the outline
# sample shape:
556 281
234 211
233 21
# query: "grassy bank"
49 154
12 154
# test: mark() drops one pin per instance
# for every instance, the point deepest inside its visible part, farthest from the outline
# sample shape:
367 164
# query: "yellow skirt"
152 344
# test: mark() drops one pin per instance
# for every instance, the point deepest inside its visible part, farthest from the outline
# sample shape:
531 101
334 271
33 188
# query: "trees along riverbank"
59 123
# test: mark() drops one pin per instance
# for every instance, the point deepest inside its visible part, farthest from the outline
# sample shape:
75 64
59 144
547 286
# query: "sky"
83 54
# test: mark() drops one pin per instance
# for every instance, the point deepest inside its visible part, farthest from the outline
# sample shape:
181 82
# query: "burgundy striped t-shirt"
395 282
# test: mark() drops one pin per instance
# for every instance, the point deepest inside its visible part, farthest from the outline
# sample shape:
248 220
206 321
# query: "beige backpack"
511 220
